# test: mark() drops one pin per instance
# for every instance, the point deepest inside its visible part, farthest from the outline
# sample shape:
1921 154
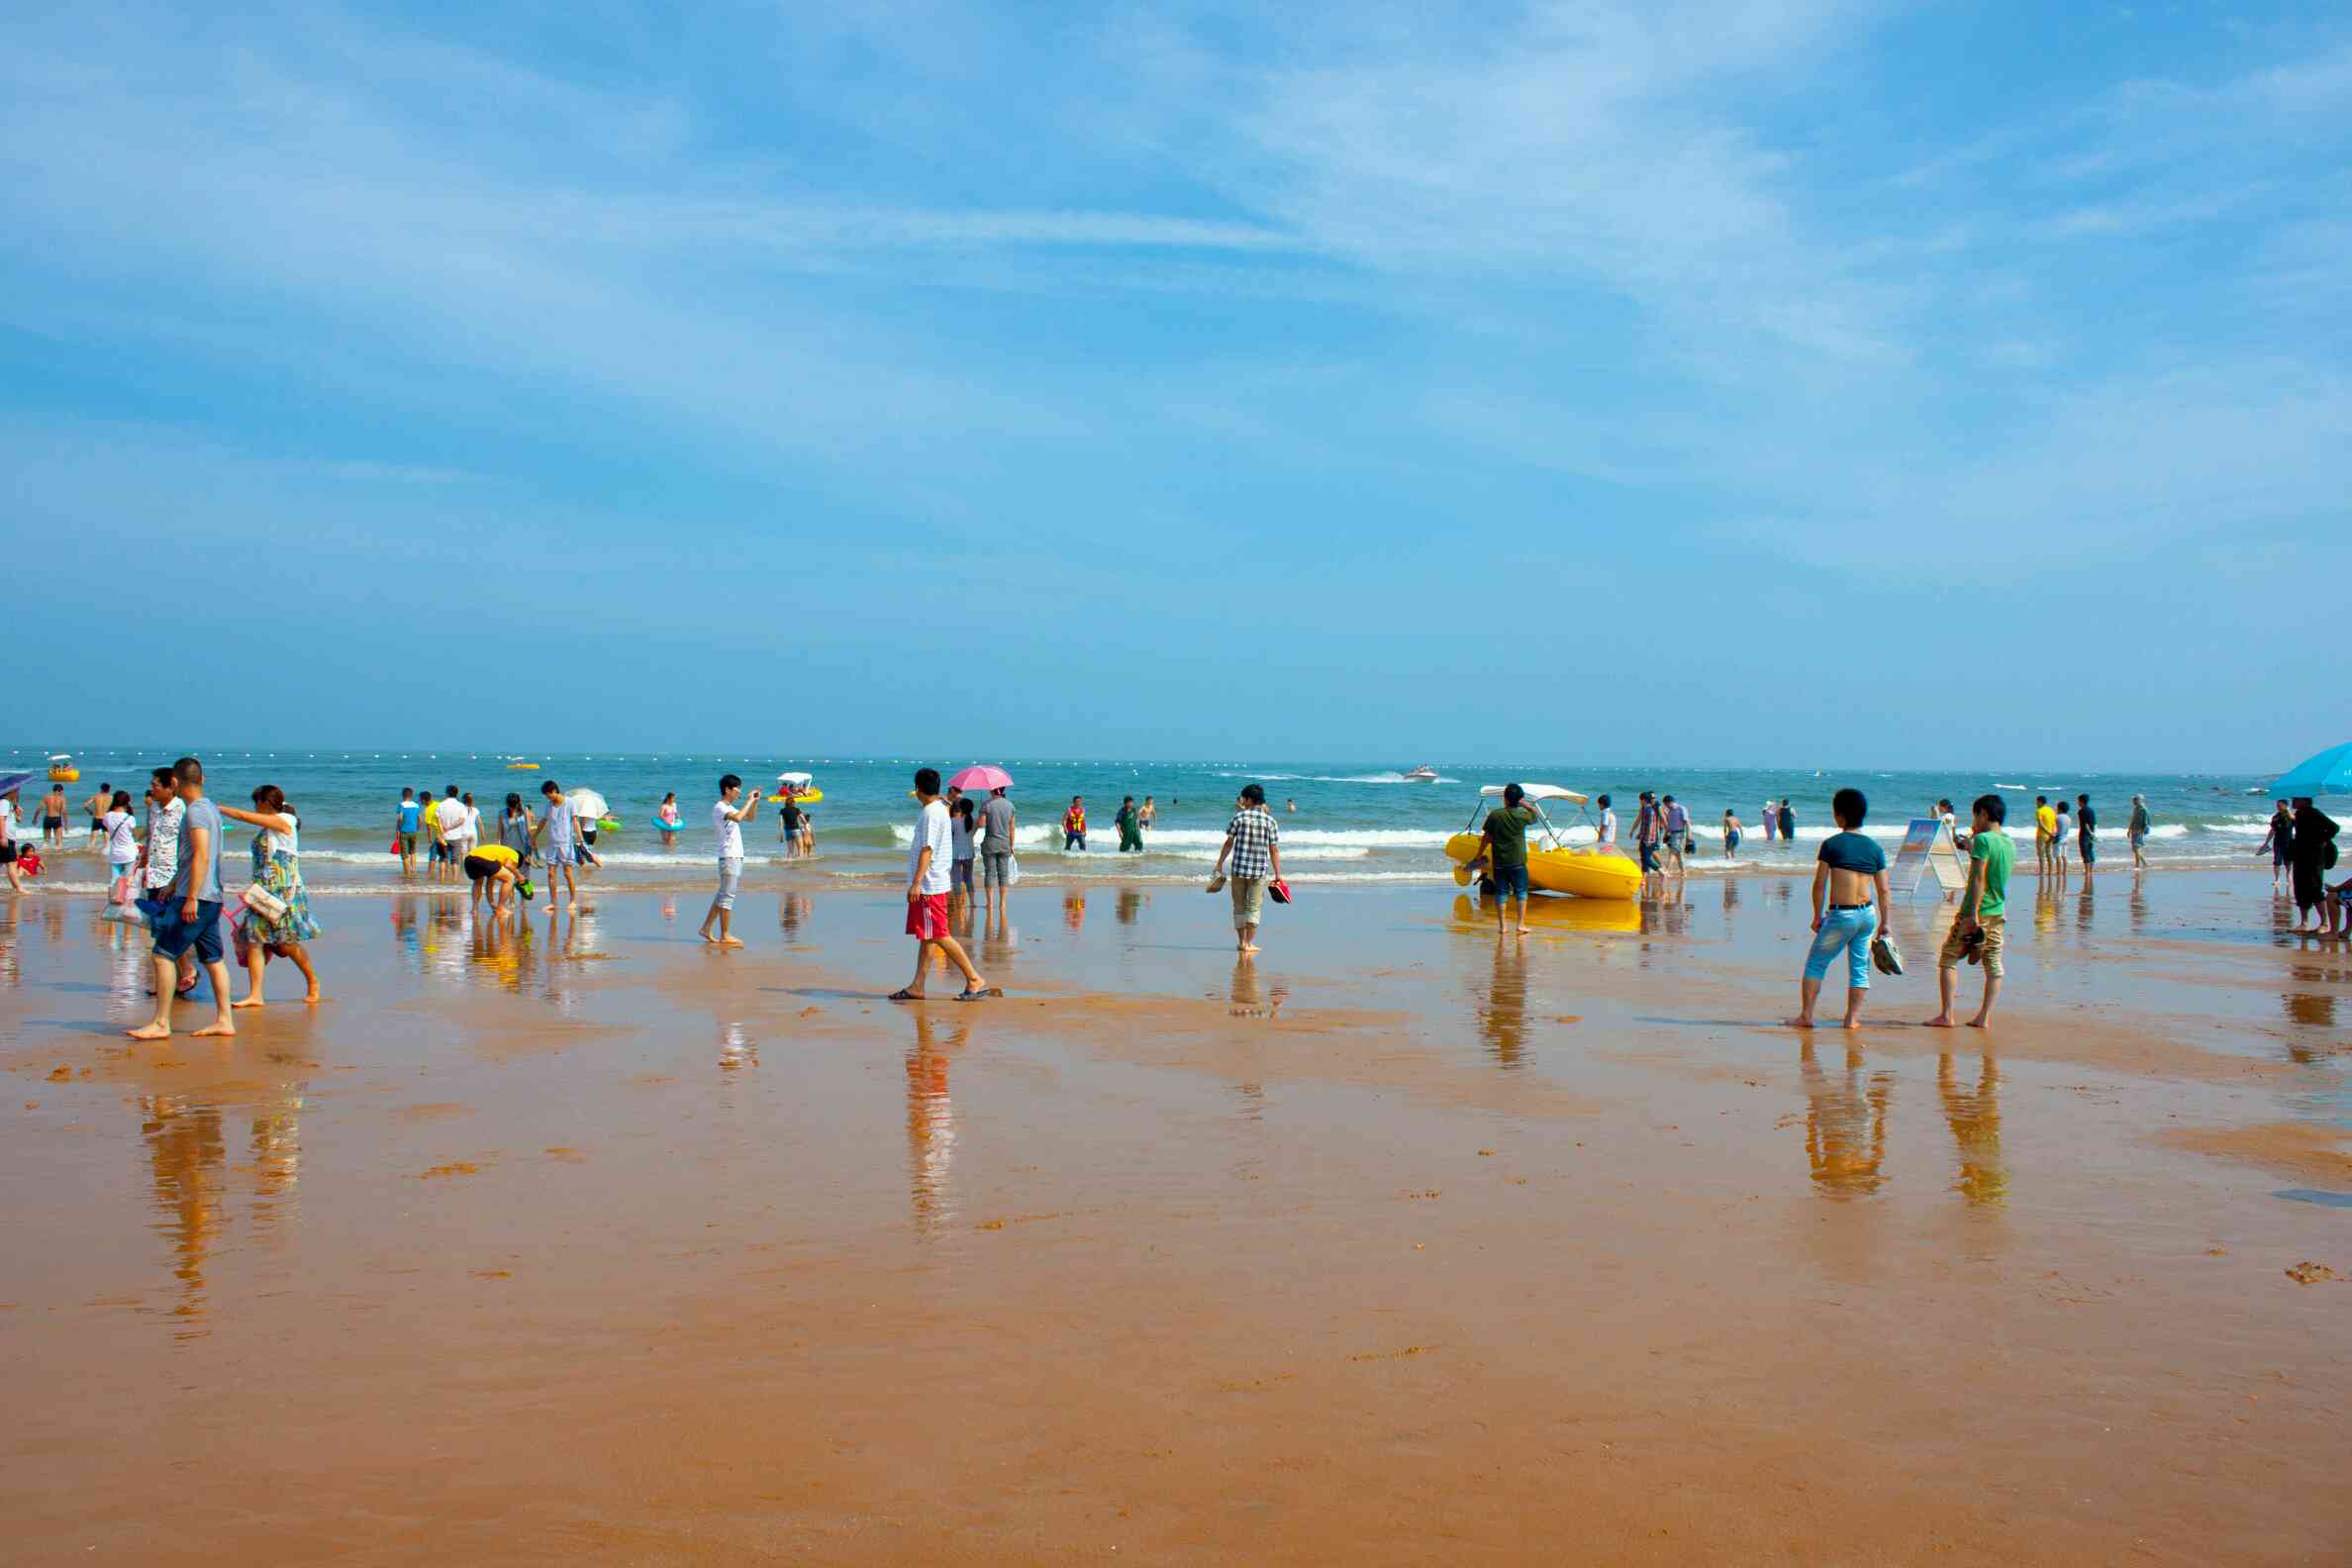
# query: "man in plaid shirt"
1251 839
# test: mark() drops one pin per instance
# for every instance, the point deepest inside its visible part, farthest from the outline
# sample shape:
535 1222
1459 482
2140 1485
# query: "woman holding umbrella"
996 828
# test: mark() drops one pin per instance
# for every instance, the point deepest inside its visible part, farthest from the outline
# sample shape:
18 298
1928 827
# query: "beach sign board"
1928 844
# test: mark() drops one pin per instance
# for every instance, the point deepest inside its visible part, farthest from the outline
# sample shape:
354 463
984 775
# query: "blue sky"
1776 383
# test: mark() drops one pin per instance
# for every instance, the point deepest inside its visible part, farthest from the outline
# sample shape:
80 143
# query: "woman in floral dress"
277 869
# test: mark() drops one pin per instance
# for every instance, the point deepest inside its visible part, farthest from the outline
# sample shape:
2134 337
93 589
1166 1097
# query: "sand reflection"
1845 1124
736 1048
495 956
931 1123
187 1159
2311 1009
1503 1005
1974 1116
795 917
1249 995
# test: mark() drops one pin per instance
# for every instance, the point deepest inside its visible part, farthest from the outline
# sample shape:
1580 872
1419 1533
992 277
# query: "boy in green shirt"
1504 847
1979 930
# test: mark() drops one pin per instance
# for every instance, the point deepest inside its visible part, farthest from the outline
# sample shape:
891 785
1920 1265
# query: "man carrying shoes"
1979 930
1251 839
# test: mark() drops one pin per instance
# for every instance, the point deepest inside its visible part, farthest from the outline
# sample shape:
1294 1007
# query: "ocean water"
1340 822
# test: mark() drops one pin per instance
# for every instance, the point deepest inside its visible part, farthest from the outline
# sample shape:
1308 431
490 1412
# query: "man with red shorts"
928 879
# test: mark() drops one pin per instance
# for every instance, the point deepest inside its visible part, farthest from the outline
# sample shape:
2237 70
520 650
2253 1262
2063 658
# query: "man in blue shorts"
187 915
1503 844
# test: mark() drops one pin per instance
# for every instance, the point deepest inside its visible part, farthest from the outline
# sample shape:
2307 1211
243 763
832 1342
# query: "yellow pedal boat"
1557 866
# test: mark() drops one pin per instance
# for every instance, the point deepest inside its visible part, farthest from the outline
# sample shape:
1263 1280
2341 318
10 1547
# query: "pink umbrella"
980 776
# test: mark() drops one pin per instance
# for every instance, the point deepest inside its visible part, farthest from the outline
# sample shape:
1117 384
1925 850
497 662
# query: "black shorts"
7 854
53 824
482 870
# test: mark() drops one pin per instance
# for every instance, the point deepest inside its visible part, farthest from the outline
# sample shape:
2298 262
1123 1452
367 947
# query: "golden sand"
1397 1244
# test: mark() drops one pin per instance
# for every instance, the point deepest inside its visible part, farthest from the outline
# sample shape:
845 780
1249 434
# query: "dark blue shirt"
1851 851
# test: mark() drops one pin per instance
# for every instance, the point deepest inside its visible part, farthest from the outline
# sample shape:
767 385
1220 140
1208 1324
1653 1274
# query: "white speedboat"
1422 775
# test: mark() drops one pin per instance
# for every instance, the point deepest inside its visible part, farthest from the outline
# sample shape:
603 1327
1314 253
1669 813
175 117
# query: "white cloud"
1578 242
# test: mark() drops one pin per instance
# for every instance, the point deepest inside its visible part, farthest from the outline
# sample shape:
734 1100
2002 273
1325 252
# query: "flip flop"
903 995
981 995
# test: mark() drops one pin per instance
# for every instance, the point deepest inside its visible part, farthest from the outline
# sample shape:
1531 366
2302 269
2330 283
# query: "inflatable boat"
1555 866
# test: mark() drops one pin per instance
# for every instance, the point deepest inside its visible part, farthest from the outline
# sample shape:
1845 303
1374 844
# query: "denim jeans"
1849 929
730 877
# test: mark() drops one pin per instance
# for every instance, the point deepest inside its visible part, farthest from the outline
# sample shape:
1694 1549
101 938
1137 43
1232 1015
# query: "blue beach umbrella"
2328 773
10 782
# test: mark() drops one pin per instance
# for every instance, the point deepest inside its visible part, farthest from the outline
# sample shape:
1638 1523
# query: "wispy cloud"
1576 237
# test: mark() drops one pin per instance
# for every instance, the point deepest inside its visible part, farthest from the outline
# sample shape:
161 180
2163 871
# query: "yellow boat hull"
64 775
1580 873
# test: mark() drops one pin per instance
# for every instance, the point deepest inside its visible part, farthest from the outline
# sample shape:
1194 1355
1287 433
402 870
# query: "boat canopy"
61 756
1536 792
796 778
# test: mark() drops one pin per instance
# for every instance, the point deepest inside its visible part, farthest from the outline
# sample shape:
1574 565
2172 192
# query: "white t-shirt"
121 847
474 824
931 832
558 826
729 830
7 821
1607 825
456 822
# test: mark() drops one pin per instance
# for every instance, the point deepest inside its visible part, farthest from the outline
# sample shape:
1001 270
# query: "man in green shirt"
1979 930
1503 844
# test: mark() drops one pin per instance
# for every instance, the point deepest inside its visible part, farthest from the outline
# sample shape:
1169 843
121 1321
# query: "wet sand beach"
1400 1243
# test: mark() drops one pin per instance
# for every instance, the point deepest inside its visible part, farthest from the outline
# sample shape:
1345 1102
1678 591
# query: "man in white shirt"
461 825
928 879
726 820
448 821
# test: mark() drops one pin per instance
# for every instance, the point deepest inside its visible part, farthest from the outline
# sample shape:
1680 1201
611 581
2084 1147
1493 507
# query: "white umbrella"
586 803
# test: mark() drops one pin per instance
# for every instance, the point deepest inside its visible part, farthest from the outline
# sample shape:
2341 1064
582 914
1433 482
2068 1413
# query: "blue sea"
1341 821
